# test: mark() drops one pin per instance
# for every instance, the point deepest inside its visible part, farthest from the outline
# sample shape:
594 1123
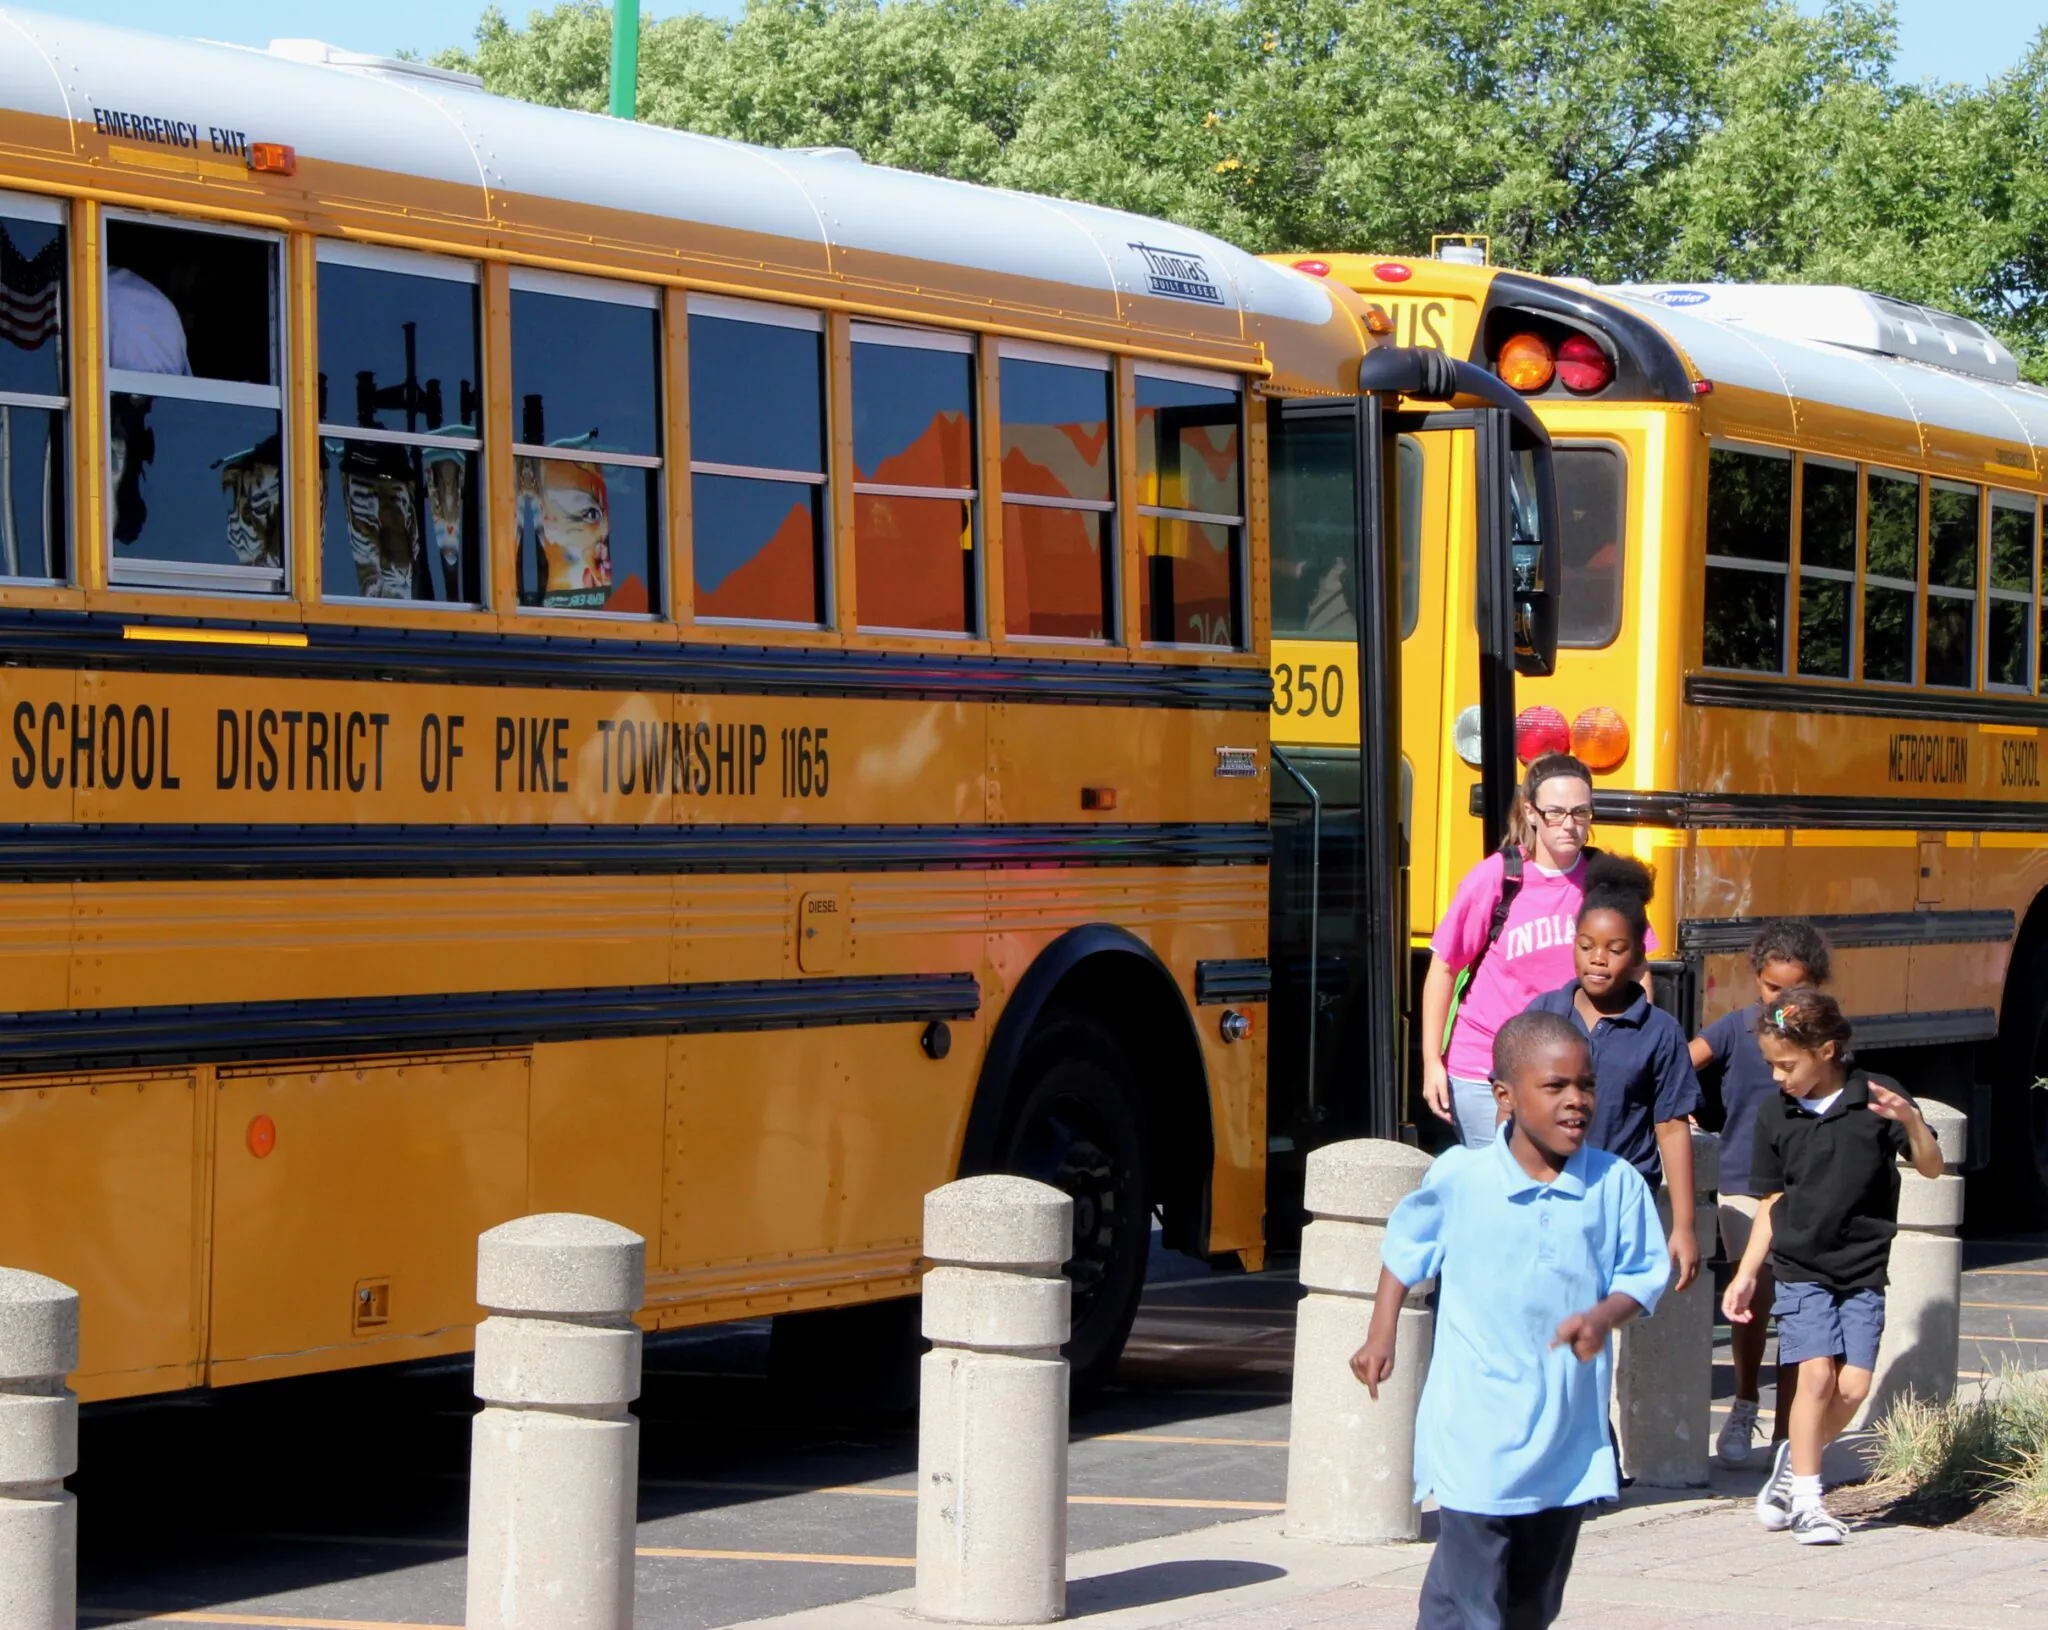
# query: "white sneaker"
1774 1499
1816 1525
1737 1432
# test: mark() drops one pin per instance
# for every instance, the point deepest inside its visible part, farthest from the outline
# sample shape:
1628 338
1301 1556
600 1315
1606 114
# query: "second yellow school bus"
1800 640
555 665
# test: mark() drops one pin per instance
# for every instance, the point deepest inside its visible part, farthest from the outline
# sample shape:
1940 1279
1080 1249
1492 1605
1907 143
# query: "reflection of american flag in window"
29 288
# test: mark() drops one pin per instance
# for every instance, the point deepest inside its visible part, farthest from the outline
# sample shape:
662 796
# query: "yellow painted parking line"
869 1491
1206 1443
2009 1307
2028 1273
272 1621
1999 1341
817 1558
1176 1505
410 1542
1210 1312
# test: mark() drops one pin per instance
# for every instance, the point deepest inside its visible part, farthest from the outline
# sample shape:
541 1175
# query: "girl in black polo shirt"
1826 1164
1787 952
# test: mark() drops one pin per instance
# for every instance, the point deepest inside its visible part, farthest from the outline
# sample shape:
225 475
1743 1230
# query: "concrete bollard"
38 1450
992 1405
1351 1461
1922 1341
1664 1366
555 1456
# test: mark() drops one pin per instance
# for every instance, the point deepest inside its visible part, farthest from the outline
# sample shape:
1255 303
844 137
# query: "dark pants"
1499 1573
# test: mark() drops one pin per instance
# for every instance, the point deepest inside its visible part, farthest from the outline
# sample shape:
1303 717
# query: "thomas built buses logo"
1179 275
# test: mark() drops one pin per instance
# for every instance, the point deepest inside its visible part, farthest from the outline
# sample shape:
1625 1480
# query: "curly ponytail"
1809 1019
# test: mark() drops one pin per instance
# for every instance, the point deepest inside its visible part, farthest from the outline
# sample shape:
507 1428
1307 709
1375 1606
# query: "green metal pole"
625 58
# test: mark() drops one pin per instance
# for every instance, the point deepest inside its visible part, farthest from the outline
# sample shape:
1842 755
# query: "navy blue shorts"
1815 1322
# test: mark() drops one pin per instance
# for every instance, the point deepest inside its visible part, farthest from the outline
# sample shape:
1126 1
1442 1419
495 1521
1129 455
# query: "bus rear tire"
1076 1124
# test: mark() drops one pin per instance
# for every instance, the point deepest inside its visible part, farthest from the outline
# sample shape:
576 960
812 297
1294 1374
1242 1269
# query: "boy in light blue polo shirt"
1540 1246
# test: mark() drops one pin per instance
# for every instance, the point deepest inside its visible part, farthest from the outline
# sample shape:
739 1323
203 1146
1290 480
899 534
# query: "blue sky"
1967 40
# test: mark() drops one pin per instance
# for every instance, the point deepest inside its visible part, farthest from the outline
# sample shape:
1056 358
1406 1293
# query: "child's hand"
1893 1106
1585 1333
1685 1257
1735 1300
1373 1363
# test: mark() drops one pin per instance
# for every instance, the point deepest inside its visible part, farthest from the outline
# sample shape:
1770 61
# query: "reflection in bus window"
2009 617
1827 569
1190 510
194 408
1749 553
1059 551
1891 573
400 415
757 461
1314 481
1590 490
34 392
586 388
1952 528
914 480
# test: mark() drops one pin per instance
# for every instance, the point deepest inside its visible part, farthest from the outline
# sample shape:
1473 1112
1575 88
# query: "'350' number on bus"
1308 689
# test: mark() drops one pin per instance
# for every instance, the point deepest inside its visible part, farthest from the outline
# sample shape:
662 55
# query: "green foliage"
1609 139
1993 1447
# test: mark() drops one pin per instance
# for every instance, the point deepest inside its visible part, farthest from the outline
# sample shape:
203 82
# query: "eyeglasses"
1578 815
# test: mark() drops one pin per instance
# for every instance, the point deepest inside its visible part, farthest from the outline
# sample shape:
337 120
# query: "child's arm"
1735 1301
1921 1147
1586 1333
1674 1145
1701 1052
1374 1362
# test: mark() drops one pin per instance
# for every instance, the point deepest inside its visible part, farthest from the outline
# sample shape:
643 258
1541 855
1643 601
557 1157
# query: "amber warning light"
272 158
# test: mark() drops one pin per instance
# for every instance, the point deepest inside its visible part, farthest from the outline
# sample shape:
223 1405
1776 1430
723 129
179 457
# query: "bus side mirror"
1535 557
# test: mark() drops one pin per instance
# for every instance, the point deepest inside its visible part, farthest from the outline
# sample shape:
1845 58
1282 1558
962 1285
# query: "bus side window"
1827 569
194 407
1749 556
1954 516
758 500
1191 507
1059 494
586 444
1891 575
34 399
400 427
2009 621
914 480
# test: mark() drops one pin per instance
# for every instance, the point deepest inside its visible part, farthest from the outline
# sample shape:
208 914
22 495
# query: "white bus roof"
1844 348
838 216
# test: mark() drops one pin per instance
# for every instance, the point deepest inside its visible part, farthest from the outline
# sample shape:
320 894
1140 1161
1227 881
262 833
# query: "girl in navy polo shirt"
1786 953
1647 1092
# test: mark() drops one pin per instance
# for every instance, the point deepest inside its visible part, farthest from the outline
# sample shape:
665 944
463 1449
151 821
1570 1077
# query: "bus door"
1363 494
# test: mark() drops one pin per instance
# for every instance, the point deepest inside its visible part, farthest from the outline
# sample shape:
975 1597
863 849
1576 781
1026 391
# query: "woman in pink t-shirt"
1532 955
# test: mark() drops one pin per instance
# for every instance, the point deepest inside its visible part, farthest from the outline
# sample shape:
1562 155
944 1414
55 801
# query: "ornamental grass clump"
1987 1451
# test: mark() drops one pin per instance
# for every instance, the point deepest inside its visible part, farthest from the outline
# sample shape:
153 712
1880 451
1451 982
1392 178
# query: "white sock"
1805 1491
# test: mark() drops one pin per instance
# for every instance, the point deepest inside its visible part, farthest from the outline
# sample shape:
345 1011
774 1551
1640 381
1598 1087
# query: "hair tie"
1778 1018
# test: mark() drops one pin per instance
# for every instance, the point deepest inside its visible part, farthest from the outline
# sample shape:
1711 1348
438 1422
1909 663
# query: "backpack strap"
1510 886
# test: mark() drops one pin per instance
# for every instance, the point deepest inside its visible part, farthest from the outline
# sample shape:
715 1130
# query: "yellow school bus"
1799 638
557 665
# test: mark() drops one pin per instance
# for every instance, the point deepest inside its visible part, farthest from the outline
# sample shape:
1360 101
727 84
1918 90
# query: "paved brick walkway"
1687 1565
